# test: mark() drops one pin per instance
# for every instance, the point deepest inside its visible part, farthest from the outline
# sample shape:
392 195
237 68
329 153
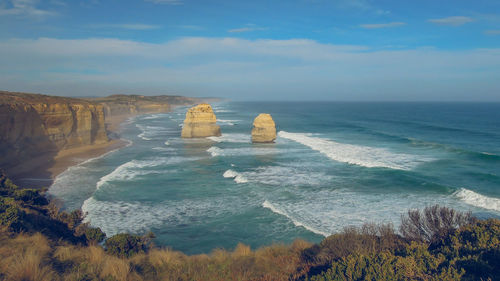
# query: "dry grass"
32 258
241 250
26 258
118 268
165 257
29 266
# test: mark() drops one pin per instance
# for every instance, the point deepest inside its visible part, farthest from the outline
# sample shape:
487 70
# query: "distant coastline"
41 136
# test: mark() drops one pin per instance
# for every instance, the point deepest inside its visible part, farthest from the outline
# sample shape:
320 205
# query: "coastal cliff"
33 126
42 135
200 122
120 105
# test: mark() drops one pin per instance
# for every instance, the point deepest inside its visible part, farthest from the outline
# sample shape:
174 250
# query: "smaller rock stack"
200 122
264 129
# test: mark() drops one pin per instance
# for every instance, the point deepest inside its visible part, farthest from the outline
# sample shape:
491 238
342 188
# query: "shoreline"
40 176
45 168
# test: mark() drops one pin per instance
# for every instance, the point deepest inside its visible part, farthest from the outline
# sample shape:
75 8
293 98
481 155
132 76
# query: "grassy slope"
44 244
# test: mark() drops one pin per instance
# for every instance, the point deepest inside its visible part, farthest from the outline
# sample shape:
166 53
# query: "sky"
338 50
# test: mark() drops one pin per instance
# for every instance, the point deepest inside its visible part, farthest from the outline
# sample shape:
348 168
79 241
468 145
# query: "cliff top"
202 107
7 97
174 100
264 119
26 98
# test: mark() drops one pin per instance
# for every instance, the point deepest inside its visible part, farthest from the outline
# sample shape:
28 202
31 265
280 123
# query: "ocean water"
333 165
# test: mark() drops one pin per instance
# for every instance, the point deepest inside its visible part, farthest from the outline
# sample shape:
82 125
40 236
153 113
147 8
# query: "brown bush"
433 223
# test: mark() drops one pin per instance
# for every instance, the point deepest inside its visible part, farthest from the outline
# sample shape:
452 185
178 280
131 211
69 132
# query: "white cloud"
239 68
382 25
452 21
24 8
247 28
166 2
131 26
492 32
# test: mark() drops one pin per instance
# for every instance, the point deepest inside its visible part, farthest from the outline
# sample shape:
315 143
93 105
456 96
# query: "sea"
333 165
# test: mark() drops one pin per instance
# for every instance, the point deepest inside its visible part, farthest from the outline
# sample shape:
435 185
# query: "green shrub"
11 217
417 264
125 245
6 183
72 219
475 248
30 196
94 234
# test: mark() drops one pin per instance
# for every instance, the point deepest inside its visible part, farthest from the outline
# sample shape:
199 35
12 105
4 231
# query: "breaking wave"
356 154
279 176
278 211
135 168
238 178
227 122
217 151
237 138
138 217
475 199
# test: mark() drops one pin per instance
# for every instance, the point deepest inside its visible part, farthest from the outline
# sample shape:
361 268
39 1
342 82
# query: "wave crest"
355 154
238 178
279 211
475 199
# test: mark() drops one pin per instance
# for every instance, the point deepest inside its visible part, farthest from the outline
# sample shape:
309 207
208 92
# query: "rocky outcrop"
264 129
200 122
32 125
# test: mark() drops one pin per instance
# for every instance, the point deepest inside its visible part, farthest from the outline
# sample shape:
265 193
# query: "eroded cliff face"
200 122
33 125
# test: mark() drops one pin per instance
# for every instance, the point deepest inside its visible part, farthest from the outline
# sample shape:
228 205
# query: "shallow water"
333 165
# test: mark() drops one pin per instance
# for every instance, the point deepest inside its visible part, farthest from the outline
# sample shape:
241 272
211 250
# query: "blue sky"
254 50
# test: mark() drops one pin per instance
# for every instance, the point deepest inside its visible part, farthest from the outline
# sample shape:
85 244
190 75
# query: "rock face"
264 129
200 122
32 125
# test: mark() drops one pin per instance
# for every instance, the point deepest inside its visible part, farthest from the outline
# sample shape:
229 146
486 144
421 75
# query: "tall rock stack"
264 129
200 122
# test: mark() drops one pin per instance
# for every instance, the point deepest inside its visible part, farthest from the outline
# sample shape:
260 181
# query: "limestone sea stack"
264 129
200 122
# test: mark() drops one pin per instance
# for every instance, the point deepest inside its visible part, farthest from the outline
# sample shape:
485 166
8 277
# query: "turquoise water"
333 165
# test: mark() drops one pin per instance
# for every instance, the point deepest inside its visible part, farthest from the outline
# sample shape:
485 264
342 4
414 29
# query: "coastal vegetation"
40 242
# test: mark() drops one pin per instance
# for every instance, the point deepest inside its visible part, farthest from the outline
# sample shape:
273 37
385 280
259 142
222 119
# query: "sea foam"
475 199
238 178
355 154
279 176
150 132
236 138
278 211
135 168
227 122
138 217
217 151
